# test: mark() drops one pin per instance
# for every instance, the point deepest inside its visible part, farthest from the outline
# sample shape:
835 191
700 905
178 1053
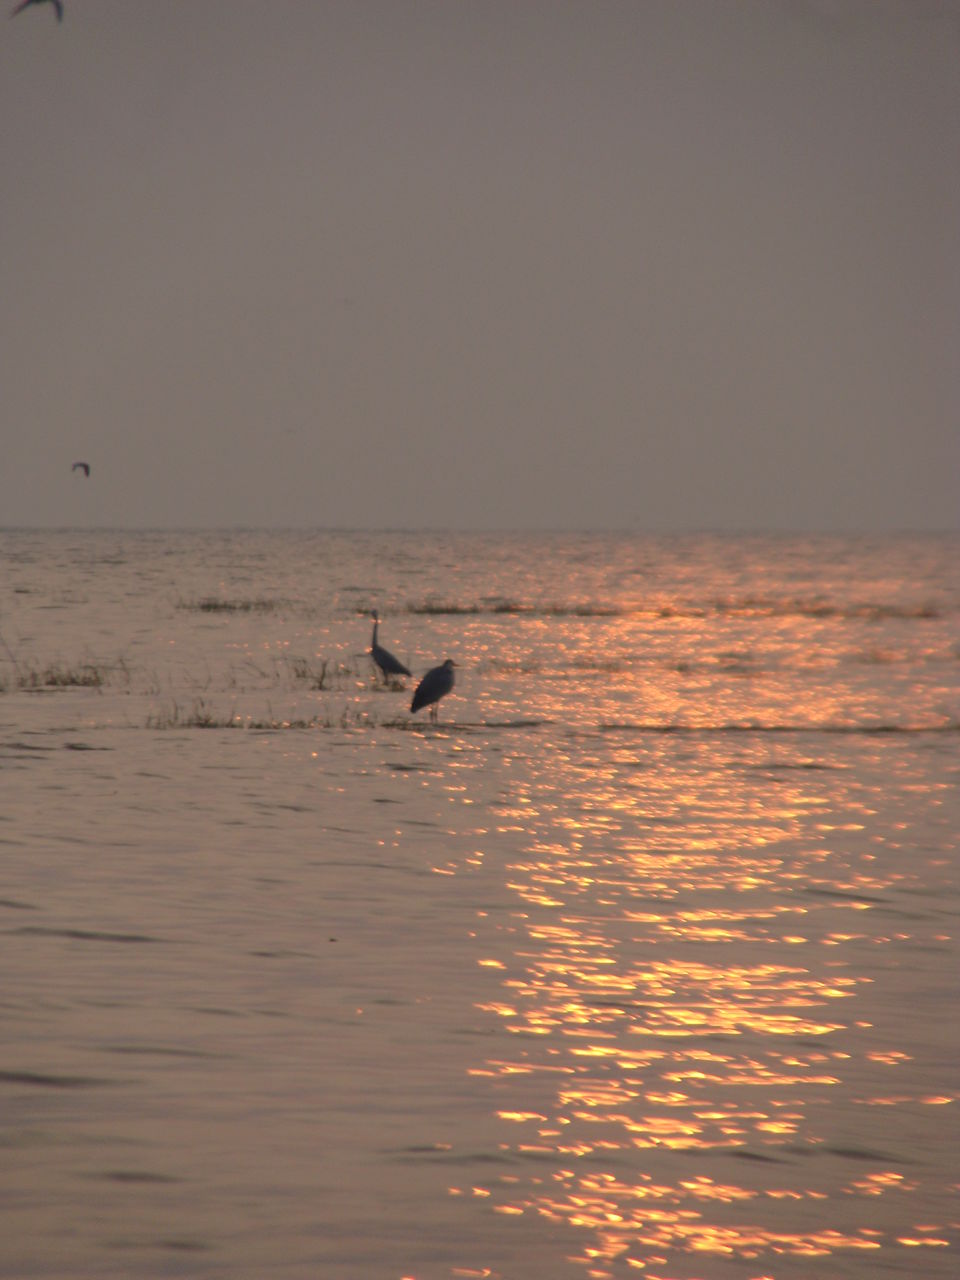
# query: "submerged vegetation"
247 676
442 607
31 674
314 674
498 605
58 675
746 606
201 716
215 604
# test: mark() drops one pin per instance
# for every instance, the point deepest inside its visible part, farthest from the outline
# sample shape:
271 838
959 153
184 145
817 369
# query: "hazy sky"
658 264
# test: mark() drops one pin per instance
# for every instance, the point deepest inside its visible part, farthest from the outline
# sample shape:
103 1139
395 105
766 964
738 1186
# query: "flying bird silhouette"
25 4
388 664
436 684
77 466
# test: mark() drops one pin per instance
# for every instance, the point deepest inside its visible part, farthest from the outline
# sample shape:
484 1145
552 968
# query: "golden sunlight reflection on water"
695 953
642 962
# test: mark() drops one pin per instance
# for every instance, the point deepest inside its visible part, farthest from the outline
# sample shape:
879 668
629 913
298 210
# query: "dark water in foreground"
642 963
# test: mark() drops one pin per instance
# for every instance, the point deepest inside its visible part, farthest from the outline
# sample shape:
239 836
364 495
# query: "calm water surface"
643 962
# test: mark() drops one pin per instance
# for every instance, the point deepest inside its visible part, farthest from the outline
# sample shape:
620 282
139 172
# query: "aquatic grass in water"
442 607
746 607
198 717
322 674
58 675
513 607
202 716
215 604
32 674
819 607
315 675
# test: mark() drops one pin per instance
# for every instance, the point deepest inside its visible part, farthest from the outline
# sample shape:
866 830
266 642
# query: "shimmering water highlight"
642 962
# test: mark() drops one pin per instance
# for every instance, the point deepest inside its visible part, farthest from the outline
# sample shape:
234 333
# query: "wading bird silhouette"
81 466
25 4
436 684
388 664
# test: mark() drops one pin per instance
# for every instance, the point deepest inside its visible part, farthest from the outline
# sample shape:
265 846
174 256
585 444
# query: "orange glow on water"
685 971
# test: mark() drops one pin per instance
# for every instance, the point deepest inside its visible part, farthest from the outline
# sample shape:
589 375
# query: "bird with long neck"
388 664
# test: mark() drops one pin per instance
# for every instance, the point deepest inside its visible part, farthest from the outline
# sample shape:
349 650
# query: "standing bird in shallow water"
436 684
388 664
24 4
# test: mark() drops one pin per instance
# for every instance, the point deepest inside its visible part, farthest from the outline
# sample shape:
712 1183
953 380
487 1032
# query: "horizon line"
504 530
